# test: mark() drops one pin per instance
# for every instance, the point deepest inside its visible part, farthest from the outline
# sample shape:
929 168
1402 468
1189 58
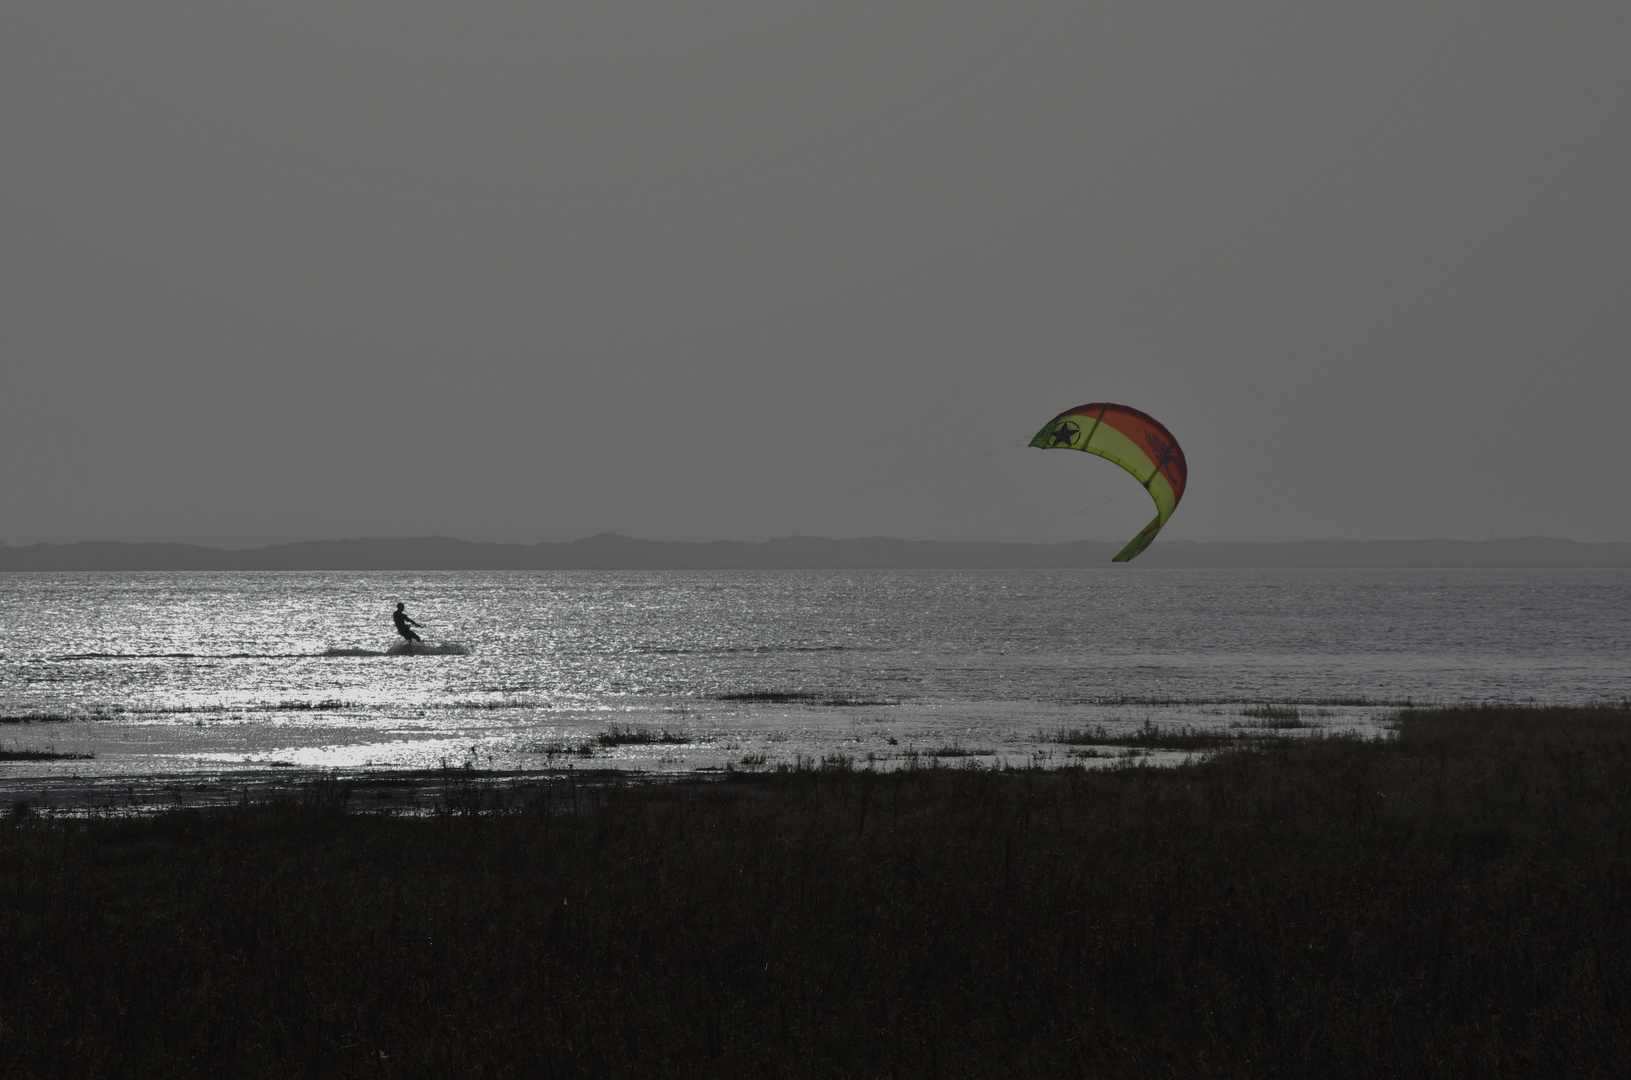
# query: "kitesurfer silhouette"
400 617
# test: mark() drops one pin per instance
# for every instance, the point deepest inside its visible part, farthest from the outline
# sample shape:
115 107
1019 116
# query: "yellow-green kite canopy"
1135 441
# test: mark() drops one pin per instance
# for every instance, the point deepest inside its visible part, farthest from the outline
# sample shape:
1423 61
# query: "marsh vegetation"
640 735
1152 736
790 697
1455 901
48 754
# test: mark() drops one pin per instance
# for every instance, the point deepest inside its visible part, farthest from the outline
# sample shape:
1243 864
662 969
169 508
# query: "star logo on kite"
1065 434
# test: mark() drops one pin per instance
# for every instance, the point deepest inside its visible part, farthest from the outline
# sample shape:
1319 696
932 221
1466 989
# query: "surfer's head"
399 607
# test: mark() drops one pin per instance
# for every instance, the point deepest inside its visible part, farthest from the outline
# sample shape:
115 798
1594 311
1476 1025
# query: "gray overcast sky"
531 271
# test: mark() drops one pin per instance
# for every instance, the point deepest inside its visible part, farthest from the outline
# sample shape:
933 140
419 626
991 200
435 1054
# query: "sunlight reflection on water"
178 672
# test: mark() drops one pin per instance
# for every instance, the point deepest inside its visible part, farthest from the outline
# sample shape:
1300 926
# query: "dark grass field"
1453 903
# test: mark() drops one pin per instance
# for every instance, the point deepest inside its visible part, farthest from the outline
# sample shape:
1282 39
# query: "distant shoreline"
609 551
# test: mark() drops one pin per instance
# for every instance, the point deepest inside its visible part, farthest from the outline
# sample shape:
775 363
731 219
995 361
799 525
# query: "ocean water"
186 674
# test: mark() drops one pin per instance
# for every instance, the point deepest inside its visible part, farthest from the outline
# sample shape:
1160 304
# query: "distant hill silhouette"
609 551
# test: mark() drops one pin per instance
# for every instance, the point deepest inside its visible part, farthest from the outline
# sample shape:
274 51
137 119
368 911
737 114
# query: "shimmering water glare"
167 673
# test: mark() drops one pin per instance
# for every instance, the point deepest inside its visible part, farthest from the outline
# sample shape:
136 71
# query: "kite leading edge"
1135 441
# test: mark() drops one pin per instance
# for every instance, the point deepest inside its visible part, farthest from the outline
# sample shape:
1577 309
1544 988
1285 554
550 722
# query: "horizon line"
616 552
875 538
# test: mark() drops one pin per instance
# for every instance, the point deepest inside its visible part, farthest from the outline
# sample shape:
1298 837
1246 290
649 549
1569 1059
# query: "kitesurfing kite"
1136 442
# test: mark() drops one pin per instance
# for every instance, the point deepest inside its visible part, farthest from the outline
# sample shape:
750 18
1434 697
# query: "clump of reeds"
1452 902
326 705
1098 735
1275 716
796 697
1151 736
637 735
563 748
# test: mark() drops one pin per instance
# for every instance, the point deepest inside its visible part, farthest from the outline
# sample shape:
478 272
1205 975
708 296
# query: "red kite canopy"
1133 440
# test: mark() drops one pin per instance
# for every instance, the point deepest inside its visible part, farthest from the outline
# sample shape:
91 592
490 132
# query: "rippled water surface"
176 673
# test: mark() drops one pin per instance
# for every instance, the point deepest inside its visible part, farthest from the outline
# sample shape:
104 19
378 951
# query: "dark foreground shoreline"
1453 902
